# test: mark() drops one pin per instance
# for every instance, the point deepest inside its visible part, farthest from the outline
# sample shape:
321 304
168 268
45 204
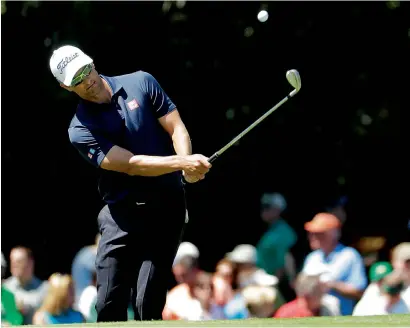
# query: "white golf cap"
243 254
319 269
66 61
186 249
260 278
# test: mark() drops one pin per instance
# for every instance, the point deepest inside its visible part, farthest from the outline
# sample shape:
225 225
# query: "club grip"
213 158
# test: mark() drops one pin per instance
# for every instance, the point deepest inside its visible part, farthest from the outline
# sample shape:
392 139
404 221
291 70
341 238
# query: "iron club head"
293 78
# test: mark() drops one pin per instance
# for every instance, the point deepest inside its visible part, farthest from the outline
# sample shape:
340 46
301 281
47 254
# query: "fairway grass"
346 321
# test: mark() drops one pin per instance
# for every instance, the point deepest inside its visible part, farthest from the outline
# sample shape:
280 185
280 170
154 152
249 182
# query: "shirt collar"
32 283
336 250
113 83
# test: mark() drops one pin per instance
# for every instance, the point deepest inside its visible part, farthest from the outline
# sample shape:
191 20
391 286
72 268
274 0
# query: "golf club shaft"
244 132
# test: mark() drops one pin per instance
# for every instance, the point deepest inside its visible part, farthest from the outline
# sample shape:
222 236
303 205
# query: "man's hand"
195 167
191 178
326 286
345 289
20 306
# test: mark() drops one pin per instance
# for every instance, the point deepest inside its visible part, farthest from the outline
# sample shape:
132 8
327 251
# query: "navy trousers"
139 240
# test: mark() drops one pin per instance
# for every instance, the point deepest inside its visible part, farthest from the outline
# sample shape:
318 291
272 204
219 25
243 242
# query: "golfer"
129 129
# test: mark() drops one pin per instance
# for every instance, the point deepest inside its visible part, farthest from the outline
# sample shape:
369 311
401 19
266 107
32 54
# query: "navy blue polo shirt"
129 121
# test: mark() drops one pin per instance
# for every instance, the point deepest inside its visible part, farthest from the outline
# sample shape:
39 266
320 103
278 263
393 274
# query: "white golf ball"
263 16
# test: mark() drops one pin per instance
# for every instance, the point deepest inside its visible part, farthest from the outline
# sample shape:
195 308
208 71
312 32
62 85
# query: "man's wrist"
180 162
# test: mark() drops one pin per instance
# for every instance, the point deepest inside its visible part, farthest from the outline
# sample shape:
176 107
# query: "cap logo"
65 61
381 269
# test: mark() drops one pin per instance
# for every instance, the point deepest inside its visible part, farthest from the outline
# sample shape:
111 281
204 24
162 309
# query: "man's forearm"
182 141
154 165
346 290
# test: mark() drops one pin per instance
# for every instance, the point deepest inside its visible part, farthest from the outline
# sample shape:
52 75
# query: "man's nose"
88 81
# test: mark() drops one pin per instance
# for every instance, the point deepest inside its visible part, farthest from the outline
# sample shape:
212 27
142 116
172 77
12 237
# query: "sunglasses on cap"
82 75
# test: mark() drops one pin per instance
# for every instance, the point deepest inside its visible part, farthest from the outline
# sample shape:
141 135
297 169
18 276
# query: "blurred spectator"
226 269
87 301
28 290
260 301
223 282
273 249
311 300
185 269
83 268
279 238
203 292
389 300
185 264
177 298
244 258
341 266
400 258
377 272
186 248
192 300
10 315
57 307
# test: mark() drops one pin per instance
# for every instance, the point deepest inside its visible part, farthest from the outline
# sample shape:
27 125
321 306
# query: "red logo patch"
132 104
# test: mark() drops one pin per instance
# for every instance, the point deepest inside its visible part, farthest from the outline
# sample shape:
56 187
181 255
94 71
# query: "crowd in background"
251 281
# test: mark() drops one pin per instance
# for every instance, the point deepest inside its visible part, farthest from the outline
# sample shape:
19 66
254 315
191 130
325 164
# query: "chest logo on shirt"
132 104
91 153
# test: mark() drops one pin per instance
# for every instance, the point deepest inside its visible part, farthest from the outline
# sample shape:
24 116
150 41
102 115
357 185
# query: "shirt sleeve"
284 311
92 147
8 302
307 263
357 274
161 103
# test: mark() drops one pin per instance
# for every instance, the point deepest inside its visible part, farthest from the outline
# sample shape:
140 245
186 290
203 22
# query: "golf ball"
263 16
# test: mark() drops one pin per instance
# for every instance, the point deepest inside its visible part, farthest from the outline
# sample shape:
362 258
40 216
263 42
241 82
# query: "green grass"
346 321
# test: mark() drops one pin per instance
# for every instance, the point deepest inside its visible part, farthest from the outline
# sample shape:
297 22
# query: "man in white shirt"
377 272
389 301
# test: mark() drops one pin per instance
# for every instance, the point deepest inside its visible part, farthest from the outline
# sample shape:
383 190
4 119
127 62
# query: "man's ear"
65 87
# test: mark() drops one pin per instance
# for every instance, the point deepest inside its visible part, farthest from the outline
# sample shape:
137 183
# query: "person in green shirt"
10 315
275 243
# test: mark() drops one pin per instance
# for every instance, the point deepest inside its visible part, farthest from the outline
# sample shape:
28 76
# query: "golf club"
293 78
